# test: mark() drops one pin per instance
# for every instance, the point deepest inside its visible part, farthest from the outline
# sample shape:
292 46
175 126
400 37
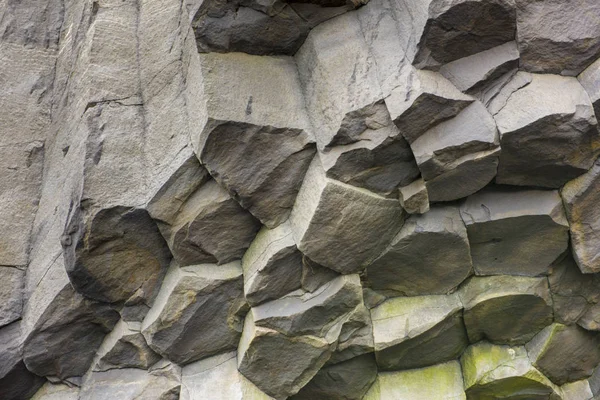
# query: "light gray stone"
550 41
506 309
425 100
12 282
548 132
415 332
579 390
161 383
414 197
580 197
52 391
272 265
459 156
492 372
335 240
316 313
430 255
516 232
590 80
339 82
217 378
348 380
256 138
472 73
443 382
590 320
193 316
210 227
295 358
564 353
125 347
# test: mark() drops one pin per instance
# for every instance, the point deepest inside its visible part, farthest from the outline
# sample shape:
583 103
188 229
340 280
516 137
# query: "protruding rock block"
581 197
16 382
12 281
443 382
426 99
472 73
115 254
564 353
548 131
217 378
414 332
580 390
193 316
211 227
414 197
161 382
590 80
503 372
339 81
295 358
125 347
331 222
430 255
272 265
549 39
459 156
356 336
515 232
257 138
316 313
348 380
506 309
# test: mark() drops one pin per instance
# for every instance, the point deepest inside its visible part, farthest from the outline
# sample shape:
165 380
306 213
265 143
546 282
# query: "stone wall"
312 200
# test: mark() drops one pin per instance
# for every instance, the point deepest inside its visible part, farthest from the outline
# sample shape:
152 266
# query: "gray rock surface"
430 255
515 232
193 316
590 80
505 309
414 197
52 391
548 132
414 332
550 42
314 275
12 282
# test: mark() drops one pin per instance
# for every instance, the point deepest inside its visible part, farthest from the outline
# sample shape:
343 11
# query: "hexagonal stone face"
443 382
430 255
548 132
492 372
200 379
506 309
564 353
581 198
193 316
413 332
515 232
550 42
257 139
335 238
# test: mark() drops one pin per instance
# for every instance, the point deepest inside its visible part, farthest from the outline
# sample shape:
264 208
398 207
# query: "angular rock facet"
414 198
590 80
11 294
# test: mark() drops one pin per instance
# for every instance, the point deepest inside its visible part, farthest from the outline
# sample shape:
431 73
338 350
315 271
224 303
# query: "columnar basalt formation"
299 199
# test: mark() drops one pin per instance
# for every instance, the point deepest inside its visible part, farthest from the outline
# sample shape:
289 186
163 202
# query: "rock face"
299 199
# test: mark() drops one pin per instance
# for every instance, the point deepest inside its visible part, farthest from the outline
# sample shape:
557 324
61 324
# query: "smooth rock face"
564 353
335 240
515 232
472 73
459 156
548 132
430 255
414 332
590 80
492 372
550 42
257 139
115 254
211 227
348 380
51 391
11 294
580 197
272 265
443 381
505 309
217 378
193 316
